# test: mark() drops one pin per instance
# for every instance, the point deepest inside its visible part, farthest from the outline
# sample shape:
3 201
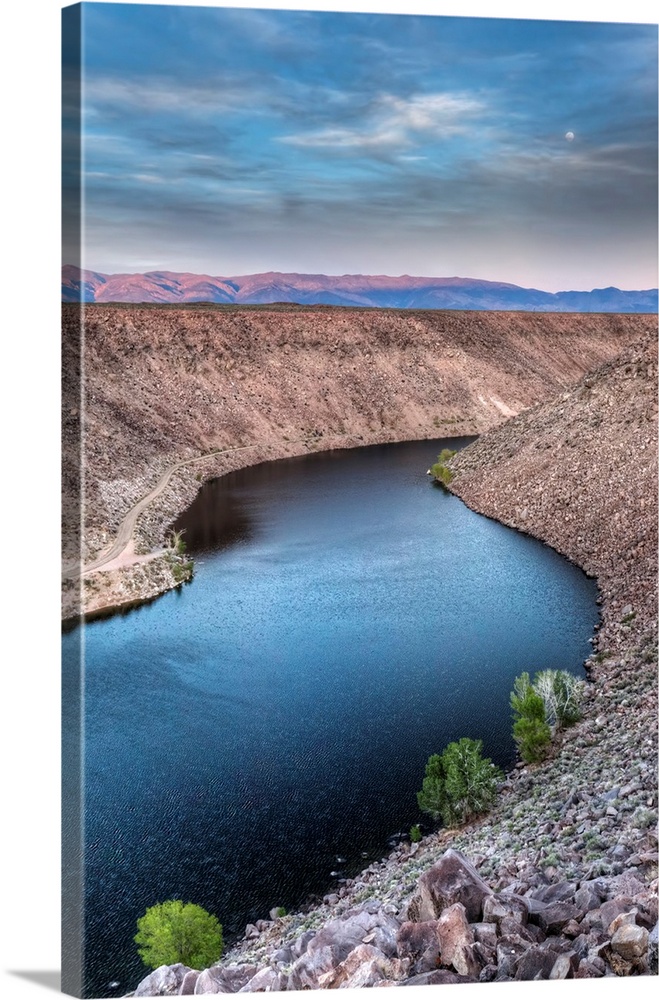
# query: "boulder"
537 962
559 892
333 943
301 943
189 982
588 970
419 943
452 879
265 981
227 979
499 905
486 934
554 917
365 966
653 949
456 942
565 966
440 977
165 981
509 952
630 942
587 898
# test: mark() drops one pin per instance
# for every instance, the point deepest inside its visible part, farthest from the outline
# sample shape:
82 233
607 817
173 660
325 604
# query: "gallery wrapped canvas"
359 500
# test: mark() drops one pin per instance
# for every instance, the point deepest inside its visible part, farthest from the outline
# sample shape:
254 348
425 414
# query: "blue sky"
231 141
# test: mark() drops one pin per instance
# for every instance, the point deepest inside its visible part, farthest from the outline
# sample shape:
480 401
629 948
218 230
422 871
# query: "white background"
29 472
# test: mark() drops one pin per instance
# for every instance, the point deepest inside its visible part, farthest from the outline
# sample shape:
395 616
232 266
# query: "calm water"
346 620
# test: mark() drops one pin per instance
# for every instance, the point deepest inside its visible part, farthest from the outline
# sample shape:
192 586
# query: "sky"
234 141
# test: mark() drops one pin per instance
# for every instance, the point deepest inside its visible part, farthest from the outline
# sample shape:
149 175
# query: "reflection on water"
346 620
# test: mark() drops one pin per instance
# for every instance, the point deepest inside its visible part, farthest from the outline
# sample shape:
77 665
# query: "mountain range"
374 291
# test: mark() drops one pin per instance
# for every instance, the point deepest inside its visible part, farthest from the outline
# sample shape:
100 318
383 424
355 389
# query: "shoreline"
585 817
118 584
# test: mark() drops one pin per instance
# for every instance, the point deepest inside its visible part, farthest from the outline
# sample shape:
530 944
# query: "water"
347 619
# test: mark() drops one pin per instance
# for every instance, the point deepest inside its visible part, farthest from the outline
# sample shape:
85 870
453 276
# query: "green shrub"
459 784
174 932
440 470
531 731
415 833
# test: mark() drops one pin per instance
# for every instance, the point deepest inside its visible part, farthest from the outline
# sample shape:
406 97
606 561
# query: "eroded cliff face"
580 472
242 385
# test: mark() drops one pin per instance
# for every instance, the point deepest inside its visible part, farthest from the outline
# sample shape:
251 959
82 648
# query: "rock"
451 880
500 905
653 949
630 942
419 943
251 931
440 977
587 898
509 927
537 962
565 966
165 981
189 982
333 943
587 970
509 952
456 942
283 956
554 917
365 966
301 943
486 934
265 981
560 892
228 979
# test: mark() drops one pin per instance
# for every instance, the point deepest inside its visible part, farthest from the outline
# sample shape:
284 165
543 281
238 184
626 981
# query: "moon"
569 136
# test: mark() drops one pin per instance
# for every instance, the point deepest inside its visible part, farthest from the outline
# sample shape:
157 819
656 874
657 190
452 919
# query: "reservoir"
347 619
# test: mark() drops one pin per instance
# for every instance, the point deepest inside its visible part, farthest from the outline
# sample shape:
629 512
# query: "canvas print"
359 494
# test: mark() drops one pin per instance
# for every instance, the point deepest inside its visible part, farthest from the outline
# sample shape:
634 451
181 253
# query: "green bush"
440 471
415 833
174 932
531 731
459 784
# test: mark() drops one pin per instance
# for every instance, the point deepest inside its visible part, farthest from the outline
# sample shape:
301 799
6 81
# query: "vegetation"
531 731
440 470
176 542
174 932
561 694
415 833
542 708
459 783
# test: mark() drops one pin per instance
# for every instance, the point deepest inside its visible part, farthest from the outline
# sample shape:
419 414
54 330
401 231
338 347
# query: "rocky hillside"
559 881
236 386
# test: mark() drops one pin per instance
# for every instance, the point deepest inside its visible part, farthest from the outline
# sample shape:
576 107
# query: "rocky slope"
239 386
559 881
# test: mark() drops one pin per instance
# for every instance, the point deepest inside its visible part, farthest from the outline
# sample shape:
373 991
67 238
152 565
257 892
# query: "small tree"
440 469
174 932
561 694
459 784
531 731
432 797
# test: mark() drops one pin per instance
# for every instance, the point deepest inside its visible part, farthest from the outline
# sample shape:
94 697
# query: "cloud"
396 122
163 94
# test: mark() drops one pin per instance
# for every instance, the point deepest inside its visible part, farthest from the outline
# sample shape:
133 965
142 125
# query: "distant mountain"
377 291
